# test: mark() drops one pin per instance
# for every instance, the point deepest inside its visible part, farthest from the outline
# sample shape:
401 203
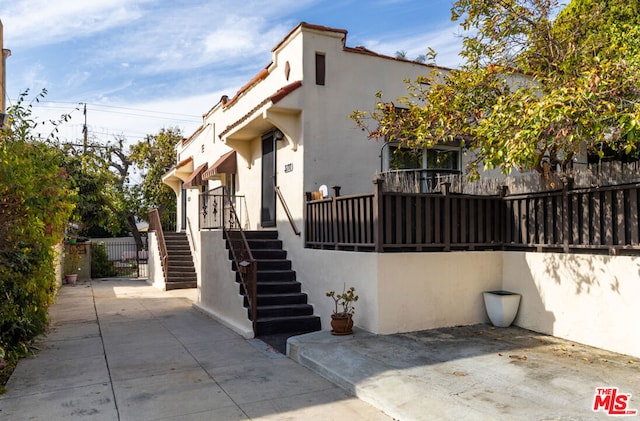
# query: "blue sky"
141 65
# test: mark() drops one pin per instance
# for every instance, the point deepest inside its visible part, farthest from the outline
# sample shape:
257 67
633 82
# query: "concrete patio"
121 350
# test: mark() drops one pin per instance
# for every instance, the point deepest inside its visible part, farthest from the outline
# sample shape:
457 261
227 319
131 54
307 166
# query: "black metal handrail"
287 211
243 258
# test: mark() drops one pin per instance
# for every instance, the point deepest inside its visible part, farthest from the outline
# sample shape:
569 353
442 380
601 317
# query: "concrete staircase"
181 271
282 309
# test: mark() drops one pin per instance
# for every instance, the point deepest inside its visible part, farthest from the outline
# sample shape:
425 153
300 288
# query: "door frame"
268 182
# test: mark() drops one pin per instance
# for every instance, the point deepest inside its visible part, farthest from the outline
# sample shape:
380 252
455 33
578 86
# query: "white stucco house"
288 128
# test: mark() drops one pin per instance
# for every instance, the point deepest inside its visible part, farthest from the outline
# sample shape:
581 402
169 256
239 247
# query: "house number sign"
288 167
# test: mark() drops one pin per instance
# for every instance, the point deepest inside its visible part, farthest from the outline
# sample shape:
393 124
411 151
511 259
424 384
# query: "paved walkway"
121 350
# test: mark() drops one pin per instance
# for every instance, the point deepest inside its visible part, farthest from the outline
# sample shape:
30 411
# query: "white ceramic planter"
502 307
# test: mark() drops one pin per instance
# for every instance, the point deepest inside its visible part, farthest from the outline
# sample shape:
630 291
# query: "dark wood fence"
604 218
599 219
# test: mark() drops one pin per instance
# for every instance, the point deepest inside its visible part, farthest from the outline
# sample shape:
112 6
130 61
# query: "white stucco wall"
219 294
320 271
401 292
589 299
156 275
429 290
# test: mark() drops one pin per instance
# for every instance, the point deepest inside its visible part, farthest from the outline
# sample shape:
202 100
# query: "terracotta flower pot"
341 324
71 279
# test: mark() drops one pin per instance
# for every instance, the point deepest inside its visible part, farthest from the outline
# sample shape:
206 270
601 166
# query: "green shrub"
35 206
101 267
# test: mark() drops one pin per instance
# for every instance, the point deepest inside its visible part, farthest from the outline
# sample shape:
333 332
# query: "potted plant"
71 265
342 317
502 306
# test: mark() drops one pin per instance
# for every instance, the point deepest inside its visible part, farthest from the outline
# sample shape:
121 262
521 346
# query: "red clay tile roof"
274 99
193 136
284 91
256 79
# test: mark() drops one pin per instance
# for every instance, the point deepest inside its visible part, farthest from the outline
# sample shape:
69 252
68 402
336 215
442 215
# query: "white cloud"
445 40
43 22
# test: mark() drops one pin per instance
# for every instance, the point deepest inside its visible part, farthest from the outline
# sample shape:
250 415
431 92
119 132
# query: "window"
404 158
320 69
420 170
438 158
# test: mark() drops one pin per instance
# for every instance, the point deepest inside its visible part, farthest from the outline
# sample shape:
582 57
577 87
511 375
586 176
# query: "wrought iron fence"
217 210
119 258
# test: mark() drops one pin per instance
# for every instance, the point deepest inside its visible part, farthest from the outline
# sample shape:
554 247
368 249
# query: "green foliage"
344 302
532 86
100 265
35 205
154 156
71 260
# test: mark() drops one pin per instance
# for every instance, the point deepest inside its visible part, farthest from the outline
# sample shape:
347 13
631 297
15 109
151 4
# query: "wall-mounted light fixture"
278 135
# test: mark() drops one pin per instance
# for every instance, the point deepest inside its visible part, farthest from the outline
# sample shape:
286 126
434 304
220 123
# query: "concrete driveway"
122 350
471 373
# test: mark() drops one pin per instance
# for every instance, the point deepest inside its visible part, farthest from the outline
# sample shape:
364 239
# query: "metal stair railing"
242 257
156 225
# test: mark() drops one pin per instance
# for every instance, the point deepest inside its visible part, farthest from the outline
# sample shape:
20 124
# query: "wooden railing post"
447 216
378 222
568 185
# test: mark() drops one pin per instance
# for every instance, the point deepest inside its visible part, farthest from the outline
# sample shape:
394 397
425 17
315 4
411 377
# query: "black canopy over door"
268 206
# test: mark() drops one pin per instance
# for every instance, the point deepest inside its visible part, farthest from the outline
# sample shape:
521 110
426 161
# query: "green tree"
109 201
36 201
90 176
154 156
537 85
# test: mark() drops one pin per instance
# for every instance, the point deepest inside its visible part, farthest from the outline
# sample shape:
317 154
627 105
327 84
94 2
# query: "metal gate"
119 257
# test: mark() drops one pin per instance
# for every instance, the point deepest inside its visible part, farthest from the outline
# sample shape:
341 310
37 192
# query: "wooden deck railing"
604 218
598 219
156 225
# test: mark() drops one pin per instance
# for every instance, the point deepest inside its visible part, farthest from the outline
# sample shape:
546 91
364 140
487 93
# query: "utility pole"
3 77
85 131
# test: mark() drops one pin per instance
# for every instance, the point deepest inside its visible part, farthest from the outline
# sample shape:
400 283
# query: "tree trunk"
131 222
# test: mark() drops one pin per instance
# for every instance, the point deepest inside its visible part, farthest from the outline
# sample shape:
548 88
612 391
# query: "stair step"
259 234
276 288
181 276
269 244
180 261
297 324
279 299
273 276
283 310
270 264
181 272
180 285
265 254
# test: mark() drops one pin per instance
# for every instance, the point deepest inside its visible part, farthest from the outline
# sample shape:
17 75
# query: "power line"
196 117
